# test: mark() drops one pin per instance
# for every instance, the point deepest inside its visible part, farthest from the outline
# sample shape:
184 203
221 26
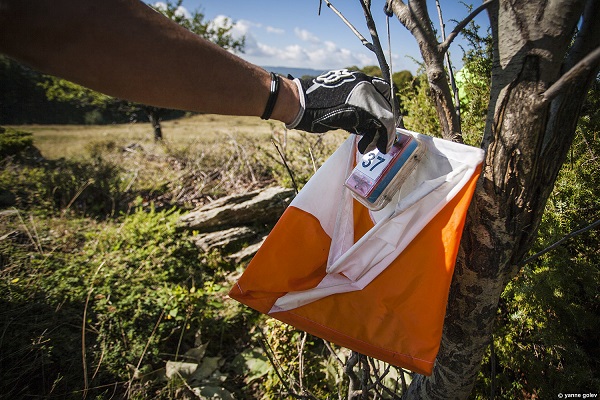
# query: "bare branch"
559 242
588 64
277 366
403 378
287 167
364 41
446 43
335 356
379 378
377 49
449 66
353 379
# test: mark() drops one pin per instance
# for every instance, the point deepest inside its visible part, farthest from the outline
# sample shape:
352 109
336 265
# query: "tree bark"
154 117
526 141
415 18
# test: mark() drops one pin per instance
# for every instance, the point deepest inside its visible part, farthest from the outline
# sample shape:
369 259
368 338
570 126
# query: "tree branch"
585 66
353 379
364 41
332 352
443 47
449 66
377 49
558 243
379 378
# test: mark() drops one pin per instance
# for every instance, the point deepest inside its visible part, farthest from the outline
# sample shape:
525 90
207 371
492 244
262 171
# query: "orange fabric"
397 318
293 257
362 220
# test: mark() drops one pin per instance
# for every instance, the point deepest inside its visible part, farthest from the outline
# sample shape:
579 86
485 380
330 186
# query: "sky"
291 33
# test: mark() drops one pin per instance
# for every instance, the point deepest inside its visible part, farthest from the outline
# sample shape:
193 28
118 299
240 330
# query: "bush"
91 188
144 290
14 142
547 335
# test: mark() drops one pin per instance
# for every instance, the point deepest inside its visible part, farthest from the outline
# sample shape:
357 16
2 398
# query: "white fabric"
441 173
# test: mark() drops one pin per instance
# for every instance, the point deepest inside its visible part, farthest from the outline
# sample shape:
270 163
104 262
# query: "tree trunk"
526 141
154 117
412 17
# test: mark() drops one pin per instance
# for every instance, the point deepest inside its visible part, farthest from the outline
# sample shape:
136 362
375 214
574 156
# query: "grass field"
71 141
99 214
229 153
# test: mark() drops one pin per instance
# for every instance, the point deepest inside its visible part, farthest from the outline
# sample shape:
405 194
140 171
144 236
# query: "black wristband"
274 92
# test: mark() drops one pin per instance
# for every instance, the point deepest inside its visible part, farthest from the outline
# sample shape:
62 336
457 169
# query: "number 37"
372 160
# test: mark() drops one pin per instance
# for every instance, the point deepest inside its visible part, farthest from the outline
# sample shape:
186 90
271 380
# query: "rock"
226 241
247 252
259 207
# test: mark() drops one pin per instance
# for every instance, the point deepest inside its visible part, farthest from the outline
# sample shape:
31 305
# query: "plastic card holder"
377 177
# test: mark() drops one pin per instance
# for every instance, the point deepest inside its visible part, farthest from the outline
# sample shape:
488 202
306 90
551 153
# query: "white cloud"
319 57
276 31
239 28
263 50
309 52
306 36
330 46
181 11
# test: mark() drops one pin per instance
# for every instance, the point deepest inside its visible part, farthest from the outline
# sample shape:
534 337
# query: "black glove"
348 100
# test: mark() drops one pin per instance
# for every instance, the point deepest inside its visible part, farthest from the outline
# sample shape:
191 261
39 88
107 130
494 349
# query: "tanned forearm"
126 49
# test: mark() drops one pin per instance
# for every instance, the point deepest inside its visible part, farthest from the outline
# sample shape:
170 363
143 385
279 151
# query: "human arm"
126 49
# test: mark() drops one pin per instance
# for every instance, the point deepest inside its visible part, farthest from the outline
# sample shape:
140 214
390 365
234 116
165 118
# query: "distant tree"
372 70
63 90
402 79
23 101
218 34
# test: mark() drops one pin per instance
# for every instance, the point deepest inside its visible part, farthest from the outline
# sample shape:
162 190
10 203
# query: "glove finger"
383 88
384 144
366 143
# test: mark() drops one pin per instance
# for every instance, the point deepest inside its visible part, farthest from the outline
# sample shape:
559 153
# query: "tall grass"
99 292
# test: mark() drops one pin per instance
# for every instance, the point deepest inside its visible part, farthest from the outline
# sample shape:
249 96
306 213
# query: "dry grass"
201 157
72 141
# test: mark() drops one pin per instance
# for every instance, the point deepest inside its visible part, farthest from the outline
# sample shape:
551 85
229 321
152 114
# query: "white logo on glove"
332 79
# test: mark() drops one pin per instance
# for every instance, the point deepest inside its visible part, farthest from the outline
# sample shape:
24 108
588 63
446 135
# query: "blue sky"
290 33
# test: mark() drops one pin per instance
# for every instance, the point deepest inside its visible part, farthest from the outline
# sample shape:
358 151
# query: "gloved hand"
348 100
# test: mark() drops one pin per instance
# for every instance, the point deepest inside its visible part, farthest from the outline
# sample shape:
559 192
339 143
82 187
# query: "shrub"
91 188
146 293
14 142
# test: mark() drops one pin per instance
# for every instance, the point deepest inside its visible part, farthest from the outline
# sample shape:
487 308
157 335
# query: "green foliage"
546 341
91 188
221 35
63 90
145 292
418 108
402 79
148 295
372 70
14 142
474 82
